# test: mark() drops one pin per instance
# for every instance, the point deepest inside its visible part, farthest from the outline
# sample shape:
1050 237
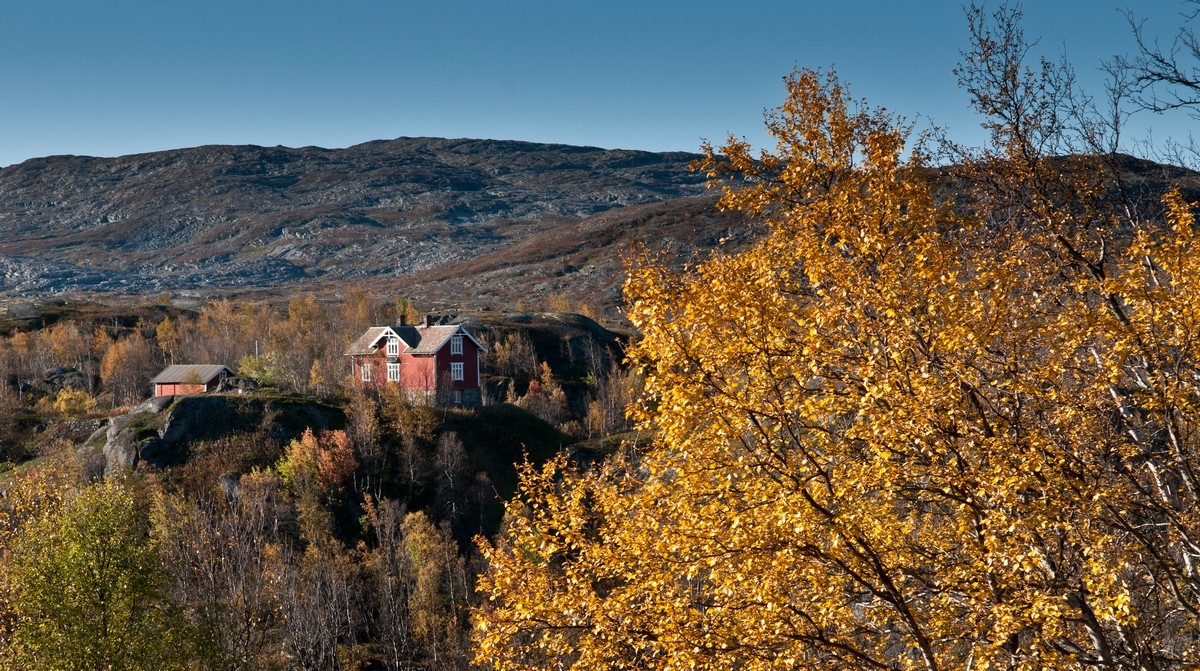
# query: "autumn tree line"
127 574
296 348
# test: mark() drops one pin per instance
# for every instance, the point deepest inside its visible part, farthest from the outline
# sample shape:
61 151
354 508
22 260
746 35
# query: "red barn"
437 364
180 380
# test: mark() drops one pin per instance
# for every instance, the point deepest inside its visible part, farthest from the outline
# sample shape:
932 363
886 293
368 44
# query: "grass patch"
145 423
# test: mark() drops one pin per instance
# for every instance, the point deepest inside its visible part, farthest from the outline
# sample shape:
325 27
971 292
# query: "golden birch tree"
891 434
126 369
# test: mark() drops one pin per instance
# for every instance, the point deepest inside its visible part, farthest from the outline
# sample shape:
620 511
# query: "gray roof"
418 340
425 339
368 342
189 373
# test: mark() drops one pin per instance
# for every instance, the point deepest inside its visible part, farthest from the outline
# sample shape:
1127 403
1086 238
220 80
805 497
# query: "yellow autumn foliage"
891 434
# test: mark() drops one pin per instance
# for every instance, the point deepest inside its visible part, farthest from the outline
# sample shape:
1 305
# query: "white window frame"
456 371
456 344
366 372
393 372
393 346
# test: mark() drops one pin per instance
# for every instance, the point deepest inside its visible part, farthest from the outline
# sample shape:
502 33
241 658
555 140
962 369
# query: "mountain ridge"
454 222
230 217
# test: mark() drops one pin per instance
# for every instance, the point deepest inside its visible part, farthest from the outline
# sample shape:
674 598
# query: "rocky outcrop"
123 440
158 432
55 380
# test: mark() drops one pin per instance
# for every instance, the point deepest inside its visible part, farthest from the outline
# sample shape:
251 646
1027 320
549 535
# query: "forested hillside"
292 521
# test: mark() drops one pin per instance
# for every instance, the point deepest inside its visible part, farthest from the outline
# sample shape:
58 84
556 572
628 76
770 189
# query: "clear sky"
127 76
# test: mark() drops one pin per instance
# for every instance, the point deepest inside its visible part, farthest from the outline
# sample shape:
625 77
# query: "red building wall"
378 365
423 373
181 388
417 373
469 359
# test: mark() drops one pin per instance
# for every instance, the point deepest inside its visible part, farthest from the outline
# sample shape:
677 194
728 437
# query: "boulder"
91 462
229 485
155 404
120 450
55 380
99 433
238 384
160 453
136 436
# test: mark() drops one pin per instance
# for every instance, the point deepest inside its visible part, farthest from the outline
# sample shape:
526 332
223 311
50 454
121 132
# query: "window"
393 372
456 345
458 397
366 372
456 371
393 346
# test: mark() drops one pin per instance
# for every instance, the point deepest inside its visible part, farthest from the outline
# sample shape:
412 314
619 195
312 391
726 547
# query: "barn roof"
188 373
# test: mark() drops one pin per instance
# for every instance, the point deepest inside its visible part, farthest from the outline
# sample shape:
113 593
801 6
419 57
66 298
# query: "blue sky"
128 76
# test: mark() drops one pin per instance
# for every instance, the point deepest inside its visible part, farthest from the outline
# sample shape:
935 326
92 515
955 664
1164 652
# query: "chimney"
403 320
425 319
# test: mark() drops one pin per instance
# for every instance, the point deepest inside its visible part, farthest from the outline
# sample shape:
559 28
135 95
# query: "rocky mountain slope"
475 224
222 217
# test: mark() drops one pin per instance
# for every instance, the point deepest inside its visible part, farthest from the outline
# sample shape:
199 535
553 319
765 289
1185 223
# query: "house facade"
435 364
185 379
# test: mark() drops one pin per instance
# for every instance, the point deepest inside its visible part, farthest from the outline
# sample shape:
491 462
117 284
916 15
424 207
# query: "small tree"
88 590
320 463
168 337
73 402
127 367
546 397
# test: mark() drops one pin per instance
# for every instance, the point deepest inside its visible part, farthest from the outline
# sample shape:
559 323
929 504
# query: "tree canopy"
900 431
88 589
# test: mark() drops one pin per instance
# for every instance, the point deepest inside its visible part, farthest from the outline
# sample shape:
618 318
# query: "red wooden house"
436 364
180 380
